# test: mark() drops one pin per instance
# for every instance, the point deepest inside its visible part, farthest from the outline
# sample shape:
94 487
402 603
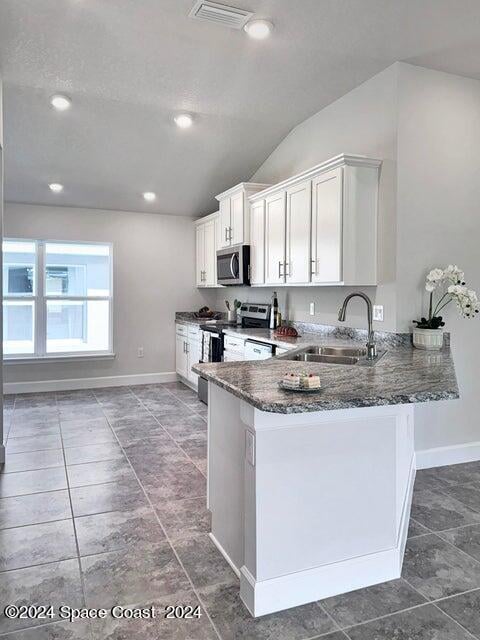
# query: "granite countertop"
403 375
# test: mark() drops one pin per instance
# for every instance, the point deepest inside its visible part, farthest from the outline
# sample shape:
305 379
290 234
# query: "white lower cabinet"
234 349
187 351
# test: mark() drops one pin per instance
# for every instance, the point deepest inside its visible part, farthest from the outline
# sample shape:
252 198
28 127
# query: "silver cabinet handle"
314 270
285 265
280 274
230 234
226 234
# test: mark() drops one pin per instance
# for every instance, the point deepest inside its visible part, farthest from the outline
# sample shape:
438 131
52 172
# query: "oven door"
232 265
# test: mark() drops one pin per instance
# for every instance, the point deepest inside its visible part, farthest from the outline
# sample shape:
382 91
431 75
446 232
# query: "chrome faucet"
371 346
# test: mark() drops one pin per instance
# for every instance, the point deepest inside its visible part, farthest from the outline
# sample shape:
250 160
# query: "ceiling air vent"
220 14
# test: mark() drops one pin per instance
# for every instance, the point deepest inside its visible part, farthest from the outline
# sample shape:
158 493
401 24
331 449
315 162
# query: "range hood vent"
220 14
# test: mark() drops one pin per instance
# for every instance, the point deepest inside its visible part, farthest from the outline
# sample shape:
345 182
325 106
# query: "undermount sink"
333 355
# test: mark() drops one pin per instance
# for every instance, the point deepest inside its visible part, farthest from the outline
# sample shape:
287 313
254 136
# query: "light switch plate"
312 308
378 312
250 447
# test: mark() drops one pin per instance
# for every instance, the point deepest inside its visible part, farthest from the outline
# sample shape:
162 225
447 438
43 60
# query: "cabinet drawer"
232 356
194 333
181 330
234 344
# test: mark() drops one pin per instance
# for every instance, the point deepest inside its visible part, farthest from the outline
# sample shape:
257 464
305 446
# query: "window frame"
40 299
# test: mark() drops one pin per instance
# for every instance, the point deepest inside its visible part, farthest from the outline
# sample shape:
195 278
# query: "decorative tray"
299 389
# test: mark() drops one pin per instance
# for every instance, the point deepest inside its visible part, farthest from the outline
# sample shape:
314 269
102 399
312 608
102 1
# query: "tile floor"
102 502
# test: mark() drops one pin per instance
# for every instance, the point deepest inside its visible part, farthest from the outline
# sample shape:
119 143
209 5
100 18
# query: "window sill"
67 358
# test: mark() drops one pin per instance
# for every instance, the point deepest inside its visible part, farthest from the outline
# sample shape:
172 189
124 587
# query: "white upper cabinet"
327 192
275 238
320 225
234 209
257 242
207 244
298 233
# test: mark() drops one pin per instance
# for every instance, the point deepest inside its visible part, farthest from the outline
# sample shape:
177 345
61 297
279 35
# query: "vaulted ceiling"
131 65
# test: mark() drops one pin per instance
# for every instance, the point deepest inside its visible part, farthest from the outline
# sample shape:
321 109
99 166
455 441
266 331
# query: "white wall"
2 450
363 122
438 224
153 276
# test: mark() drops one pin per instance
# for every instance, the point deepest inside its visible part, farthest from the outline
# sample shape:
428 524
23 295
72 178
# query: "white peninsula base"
308 505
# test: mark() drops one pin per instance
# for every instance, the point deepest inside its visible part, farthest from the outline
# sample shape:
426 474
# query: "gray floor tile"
423 623
37 544
203 562
195 447
141 575
21 416
24 482
130 430
72 427
56 584
88 436
160 628
466 538
184 518
457 473
78 630
152 452
150 391
177 480
465 609
31 460
34 509
113 496
27 429
372 602
234 622
437 570
80 413
180 428
416 529
81 475
438 511
33 443
93 453
117 530
467 494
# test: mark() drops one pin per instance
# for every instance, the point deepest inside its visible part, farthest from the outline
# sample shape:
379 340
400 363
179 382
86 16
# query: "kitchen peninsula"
310 493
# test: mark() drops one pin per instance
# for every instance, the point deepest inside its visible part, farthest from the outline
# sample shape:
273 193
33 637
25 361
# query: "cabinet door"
275 239
225 223
218 245
193 358
236 219
298 234
257 242
210 254
327 227
200 263
181 355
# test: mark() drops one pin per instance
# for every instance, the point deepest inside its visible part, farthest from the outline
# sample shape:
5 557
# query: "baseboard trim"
89 383
442 456
224 554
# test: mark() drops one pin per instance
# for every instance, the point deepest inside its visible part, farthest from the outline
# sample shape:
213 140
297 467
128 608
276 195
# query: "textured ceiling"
129 65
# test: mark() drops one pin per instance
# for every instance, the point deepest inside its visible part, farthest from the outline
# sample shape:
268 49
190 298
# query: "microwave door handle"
231 265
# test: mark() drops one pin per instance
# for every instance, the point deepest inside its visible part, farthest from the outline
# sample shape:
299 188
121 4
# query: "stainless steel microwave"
233 265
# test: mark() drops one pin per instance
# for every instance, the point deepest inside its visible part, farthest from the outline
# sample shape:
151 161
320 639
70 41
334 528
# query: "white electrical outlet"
312 308
378 312
140 352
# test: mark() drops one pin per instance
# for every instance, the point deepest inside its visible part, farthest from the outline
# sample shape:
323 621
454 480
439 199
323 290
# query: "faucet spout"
371 345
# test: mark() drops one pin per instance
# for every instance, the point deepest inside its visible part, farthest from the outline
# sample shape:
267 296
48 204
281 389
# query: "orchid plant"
452 282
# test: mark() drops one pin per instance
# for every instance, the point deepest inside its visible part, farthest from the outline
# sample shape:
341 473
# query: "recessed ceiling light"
56 187
149 196
183 120
60 102
259 29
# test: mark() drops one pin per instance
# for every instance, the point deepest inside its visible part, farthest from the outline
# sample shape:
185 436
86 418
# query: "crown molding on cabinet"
210 216
343 159
242 186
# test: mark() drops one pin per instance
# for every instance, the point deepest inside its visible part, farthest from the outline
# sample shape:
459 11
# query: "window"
57 298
